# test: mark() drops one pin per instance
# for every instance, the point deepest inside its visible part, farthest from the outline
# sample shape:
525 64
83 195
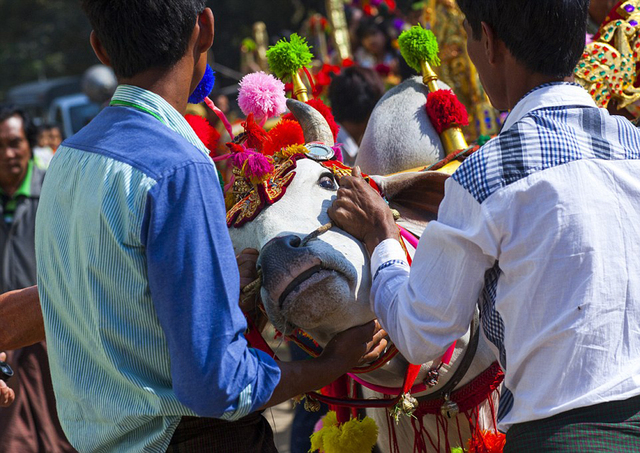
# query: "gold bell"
408 404
311 404
449 409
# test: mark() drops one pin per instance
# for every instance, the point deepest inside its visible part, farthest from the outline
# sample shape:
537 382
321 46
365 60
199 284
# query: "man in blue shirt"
137 276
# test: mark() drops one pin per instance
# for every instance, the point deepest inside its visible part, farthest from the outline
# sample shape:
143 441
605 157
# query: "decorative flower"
262 95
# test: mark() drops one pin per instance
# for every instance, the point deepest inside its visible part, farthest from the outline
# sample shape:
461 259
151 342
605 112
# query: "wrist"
382 233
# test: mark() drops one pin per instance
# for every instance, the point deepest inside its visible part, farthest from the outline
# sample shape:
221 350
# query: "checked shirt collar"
556 94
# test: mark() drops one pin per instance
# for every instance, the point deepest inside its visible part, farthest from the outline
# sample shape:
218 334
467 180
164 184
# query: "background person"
31 423
353 95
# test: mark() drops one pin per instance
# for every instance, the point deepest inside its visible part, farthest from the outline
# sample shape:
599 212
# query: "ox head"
399 135
322 286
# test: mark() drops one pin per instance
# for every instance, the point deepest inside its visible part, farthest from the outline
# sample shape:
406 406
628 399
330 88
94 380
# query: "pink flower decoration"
261 94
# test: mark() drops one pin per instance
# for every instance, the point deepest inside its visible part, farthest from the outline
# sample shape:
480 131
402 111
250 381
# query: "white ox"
323 287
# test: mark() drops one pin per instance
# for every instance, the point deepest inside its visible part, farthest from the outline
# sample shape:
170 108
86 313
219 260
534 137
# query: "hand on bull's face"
357 346
248 274
360 211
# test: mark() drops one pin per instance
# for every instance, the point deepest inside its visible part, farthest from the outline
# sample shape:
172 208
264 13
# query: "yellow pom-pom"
355 436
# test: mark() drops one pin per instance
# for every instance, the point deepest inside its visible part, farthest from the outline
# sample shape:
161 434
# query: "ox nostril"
290 241
294 241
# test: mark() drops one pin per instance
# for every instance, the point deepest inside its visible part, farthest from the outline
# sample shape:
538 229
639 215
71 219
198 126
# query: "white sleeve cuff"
388 251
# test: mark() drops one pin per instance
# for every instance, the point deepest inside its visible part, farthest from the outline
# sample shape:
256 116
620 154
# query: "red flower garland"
445 110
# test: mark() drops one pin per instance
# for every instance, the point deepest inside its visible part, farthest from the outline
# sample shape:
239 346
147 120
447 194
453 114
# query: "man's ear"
206 22
98 49
490 42
416 195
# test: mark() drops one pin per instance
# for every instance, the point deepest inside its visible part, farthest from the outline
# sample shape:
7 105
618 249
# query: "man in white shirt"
539 228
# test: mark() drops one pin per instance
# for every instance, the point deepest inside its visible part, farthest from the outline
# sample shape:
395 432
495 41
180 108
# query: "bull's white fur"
339 299
399 135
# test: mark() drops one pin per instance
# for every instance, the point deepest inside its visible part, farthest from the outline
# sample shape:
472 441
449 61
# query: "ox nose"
280 248
283 255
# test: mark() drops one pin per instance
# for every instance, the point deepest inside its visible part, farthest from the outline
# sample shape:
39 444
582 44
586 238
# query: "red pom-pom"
445 110
205 132
283 134
486 442
256 135
324 111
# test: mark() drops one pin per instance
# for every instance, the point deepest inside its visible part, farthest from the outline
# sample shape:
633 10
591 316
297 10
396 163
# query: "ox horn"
314 126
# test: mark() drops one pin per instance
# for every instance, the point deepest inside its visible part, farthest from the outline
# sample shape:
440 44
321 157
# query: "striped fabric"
129 96
102 252
131 373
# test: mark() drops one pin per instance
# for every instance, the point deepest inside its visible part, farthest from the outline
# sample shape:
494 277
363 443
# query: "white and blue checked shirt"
541 228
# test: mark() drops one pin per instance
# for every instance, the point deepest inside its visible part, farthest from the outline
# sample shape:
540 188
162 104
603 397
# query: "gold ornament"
607 69
449 409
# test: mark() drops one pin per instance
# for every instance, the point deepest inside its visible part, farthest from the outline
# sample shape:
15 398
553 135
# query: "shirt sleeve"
427 307
194 284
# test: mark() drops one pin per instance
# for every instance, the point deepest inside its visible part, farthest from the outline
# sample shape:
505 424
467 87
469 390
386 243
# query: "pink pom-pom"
238 158
257 167
263 95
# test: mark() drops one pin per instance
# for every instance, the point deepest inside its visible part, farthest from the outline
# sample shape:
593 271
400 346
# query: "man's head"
17 138
354 93
143 34
545 37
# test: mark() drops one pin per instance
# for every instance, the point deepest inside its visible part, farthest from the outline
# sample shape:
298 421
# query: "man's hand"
360 211
6 394
348 349
250 304
247 260
357 346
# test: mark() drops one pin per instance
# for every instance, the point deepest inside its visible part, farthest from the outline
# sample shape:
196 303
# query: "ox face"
321 287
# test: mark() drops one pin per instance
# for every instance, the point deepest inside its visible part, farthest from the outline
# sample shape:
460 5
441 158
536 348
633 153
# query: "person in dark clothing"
30 424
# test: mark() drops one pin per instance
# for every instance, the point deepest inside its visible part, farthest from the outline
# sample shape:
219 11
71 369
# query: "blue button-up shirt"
138 283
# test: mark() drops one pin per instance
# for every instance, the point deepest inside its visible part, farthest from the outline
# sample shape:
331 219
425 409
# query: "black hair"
546 36
30 129
138 35
354 93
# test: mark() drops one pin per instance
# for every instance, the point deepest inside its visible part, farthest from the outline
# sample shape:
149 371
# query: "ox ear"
416 195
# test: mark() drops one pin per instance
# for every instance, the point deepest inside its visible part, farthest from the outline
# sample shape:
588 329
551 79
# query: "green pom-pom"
417 45
286 58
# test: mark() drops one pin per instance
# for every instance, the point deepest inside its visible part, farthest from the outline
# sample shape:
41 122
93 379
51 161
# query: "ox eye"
327 182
